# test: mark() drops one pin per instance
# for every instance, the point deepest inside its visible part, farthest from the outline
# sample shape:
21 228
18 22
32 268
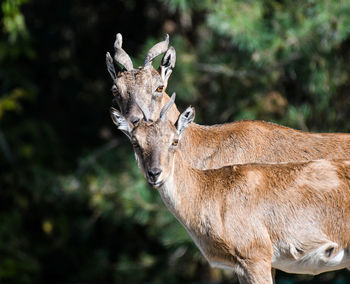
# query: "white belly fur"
312 262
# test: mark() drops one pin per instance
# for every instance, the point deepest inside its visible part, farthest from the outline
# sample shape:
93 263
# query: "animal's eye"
160 89
134 143
175 142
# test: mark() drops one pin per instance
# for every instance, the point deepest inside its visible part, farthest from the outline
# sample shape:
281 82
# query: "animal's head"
155 143
143 85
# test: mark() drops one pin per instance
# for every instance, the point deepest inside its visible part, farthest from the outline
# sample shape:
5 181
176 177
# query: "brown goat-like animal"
250 218
206 147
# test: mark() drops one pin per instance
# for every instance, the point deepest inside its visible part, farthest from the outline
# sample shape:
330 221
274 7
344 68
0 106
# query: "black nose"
154 173
134 120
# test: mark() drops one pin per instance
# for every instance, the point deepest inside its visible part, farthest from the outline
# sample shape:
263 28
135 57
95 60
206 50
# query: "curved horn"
145 112
166 107
120 55
156 50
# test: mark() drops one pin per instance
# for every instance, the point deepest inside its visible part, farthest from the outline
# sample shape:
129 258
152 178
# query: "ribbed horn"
166 107
156 50
120 56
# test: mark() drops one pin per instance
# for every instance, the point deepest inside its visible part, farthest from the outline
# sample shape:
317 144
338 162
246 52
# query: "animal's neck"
202 145
180 191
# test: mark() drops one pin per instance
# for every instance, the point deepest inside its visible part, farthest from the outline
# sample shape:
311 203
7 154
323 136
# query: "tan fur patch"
319 174
254 179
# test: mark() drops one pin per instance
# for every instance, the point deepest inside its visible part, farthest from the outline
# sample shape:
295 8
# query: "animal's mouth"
156 184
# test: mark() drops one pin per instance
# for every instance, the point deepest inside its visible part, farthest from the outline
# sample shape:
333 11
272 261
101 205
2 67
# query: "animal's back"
259 142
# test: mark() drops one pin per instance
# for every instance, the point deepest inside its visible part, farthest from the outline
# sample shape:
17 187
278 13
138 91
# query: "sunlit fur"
290 216
258 141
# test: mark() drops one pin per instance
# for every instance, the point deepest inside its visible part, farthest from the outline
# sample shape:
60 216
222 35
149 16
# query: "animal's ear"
121 122
185 119
110 66
167 64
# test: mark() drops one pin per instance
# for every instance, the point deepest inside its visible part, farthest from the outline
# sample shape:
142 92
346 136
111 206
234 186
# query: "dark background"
74 207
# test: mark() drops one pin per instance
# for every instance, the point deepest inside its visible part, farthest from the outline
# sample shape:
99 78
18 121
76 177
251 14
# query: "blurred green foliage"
74 206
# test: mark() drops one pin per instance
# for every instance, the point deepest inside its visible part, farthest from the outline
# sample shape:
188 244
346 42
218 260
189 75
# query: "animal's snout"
154 173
